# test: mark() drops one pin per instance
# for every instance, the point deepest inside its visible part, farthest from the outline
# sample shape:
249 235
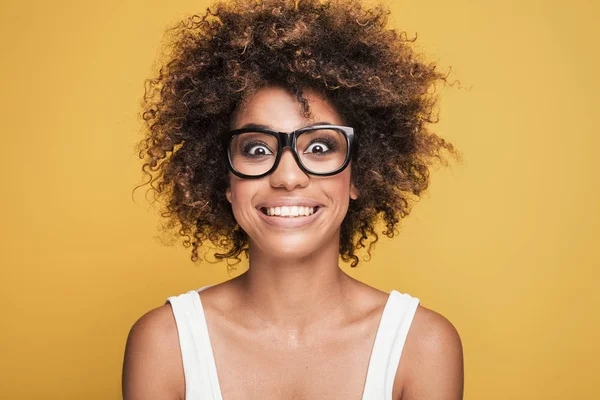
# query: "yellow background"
503 244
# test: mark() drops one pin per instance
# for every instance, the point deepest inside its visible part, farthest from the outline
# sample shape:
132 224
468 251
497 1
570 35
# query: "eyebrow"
262 126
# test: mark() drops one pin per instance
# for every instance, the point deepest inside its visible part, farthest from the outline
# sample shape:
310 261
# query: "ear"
228 194
353 191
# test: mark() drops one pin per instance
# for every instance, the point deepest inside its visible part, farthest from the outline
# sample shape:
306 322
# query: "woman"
285 130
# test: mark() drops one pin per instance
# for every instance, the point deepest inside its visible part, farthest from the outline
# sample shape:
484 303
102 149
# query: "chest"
269 365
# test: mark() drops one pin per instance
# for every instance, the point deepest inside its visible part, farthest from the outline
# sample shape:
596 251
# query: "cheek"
240 194
342 183
338 189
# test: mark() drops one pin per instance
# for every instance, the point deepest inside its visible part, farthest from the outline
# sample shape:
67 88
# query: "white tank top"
200 370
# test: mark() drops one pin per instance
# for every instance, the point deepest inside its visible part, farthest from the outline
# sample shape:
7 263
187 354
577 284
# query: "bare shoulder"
431 366
432 333
152 367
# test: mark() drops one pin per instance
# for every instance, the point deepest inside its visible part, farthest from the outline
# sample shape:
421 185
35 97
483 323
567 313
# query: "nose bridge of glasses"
286 139
288 172
287 157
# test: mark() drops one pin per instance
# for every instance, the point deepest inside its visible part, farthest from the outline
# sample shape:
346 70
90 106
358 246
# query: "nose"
288 174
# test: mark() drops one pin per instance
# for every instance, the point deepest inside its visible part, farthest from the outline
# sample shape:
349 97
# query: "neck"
294 293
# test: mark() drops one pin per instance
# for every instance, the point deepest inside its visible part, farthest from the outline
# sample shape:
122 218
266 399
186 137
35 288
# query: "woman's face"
288 186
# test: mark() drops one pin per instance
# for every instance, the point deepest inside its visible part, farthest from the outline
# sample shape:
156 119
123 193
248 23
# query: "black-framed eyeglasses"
320 150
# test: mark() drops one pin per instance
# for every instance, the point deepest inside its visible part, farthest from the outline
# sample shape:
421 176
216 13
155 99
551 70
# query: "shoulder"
432 361
157 326
152 367
431 333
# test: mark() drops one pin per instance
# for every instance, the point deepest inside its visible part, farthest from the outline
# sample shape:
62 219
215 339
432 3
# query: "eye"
317 147
257 149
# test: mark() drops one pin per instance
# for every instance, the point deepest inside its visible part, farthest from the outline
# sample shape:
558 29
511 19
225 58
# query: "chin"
292 247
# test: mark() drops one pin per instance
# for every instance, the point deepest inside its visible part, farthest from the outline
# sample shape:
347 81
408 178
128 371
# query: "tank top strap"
201 380
391 335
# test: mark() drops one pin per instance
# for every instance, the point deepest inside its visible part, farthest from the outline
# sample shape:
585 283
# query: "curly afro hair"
339 48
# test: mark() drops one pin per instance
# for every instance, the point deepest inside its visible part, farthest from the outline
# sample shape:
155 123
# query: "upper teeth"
292 211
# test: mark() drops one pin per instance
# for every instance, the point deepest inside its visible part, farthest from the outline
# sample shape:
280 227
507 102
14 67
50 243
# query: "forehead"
279 109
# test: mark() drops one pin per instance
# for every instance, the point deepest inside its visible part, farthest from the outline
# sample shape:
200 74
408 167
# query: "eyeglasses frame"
289 140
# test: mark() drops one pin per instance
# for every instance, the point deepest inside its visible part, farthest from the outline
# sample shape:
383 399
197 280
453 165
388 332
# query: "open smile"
289 211
287 217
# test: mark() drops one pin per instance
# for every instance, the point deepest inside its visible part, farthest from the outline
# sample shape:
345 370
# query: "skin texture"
294 326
